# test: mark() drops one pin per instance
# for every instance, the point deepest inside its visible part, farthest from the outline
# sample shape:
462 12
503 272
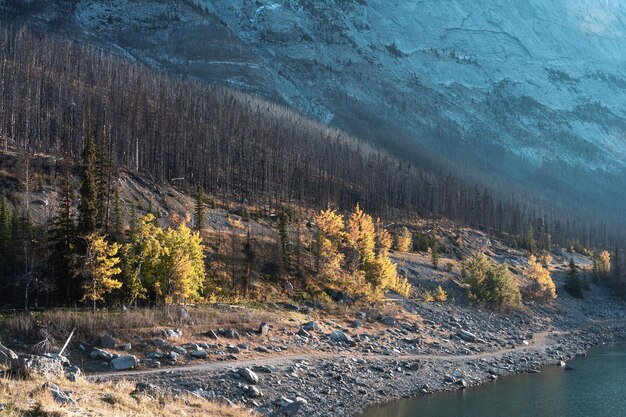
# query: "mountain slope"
528 92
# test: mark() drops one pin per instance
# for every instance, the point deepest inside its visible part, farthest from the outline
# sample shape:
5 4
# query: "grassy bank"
29 398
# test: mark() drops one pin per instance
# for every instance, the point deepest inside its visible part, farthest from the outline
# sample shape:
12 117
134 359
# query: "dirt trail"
540 340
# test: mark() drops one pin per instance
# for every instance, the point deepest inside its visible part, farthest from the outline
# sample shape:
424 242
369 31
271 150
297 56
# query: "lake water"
596 387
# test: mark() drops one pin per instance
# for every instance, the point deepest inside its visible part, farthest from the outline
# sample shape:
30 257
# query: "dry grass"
29 399
55 325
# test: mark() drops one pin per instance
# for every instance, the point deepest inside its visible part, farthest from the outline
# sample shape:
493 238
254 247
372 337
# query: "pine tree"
103 173
99 268
573 283
88 208
434 254
117 223
249 256
283 232
529 241
199 210
5 234
63 236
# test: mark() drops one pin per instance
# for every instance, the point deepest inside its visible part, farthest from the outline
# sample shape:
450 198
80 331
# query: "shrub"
490 284
440 295
404 240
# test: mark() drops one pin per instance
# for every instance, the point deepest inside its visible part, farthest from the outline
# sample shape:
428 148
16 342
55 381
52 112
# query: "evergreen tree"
529 242
283 232
198 223
103 173
63 237
88 208
573 283
117 223
5 234
434 254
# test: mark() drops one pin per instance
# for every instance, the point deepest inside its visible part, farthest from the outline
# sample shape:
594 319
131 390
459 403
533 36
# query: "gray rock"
467 336
250 376
59 396
180 350
127 347
231 334
264 329
124 362
157 354
101 354
199 354
389 321
339 336
160 342
252 391
73 373
172 333
107 342
310 326
289 407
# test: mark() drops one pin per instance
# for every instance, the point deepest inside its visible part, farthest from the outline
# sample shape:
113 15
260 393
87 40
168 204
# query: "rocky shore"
348 368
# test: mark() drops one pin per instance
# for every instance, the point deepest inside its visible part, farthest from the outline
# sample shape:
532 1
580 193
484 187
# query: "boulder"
252 391
310 326
101 354
231 334
73 373
250 376
389 321
467 336
59 396
124 362
199 354
264 329
172 333
180 350
288 407
160 342
107 342
339 336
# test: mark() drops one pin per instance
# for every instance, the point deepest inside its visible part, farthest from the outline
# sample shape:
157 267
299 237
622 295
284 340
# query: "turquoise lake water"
596 387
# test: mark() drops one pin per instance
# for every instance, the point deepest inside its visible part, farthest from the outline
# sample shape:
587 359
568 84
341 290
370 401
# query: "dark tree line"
54 94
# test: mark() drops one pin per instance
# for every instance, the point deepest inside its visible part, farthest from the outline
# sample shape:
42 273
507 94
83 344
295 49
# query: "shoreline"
345 385
617 335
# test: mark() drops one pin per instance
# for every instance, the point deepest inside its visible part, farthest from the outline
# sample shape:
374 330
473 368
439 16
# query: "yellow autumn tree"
361 236
404 240
99 268
182 268
542 287
384 240
329 234
142 257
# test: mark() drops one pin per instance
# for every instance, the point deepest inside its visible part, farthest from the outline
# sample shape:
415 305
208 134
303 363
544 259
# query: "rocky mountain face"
530 93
